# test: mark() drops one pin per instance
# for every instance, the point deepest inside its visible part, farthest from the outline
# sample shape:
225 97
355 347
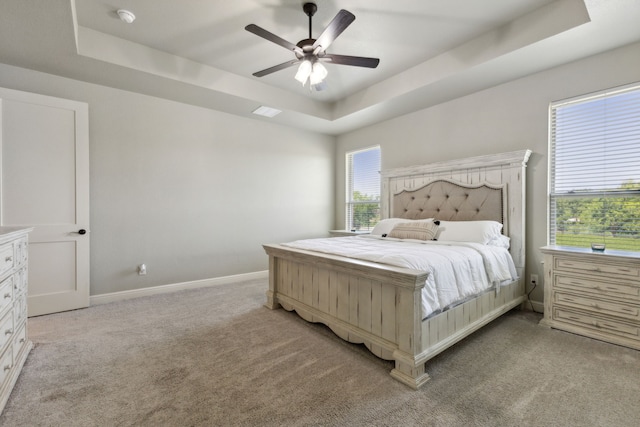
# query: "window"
594 170
363 189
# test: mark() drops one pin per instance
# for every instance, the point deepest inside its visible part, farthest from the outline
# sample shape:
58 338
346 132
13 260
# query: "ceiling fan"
311 52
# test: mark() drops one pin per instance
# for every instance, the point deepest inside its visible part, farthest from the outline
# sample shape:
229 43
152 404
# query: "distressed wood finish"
380 305
593 294
14 340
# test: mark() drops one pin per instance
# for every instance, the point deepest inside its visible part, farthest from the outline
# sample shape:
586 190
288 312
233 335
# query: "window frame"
349 203
604 195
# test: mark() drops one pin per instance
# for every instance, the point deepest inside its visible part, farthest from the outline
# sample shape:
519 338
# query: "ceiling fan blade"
276 68
339 23
356 61
261 32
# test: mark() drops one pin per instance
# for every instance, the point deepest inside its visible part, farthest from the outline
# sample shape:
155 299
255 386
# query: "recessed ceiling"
401 33
198 52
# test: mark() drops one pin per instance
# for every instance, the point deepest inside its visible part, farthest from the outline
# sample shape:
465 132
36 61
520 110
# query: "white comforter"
457 271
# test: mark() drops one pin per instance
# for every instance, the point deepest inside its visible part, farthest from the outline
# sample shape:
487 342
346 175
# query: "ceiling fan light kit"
318 73
304 71
311 52
314 72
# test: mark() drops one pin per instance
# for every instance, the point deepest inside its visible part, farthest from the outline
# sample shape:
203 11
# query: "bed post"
272 301
409 336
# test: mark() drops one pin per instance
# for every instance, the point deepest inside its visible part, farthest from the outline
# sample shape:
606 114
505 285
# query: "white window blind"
594 170
363 189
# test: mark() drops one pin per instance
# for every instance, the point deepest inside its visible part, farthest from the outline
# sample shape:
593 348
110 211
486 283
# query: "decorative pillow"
386 225
469 231
418 230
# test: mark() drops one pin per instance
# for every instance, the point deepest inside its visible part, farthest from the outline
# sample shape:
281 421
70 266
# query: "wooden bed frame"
380 305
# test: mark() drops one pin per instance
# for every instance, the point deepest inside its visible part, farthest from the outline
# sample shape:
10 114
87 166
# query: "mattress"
457 271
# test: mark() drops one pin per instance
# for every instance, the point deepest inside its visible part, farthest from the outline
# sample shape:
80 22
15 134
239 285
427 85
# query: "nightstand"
596 294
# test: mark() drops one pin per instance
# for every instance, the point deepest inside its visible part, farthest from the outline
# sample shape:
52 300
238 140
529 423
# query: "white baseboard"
155 290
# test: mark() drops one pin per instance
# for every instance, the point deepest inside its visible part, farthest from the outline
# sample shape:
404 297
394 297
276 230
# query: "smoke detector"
126 16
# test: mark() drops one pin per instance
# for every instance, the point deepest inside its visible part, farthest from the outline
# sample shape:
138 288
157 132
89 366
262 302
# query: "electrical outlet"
534 279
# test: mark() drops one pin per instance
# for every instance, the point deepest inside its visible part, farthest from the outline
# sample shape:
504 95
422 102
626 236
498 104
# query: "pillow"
500 241
386 225
418 230
469 231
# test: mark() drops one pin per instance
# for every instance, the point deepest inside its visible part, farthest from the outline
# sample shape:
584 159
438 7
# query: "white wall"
191 192
509 117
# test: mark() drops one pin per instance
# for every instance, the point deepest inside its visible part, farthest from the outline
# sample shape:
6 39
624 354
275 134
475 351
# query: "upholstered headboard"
475 188
451 201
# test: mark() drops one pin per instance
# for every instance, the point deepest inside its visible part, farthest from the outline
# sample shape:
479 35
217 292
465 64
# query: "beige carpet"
215 356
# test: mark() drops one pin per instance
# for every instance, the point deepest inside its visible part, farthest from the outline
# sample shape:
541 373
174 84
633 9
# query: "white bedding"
457 270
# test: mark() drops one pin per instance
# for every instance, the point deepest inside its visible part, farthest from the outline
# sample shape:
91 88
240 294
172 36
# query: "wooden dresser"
593 294
14 342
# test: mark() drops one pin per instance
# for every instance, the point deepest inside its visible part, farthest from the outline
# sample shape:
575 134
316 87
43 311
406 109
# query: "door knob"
82 231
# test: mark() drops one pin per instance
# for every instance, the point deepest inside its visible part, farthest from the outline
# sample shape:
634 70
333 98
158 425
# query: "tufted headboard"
474 188
452 201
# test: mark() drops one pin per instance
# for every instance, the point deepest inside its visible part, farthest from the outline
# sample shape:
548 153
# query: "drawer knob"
7 367
7 296
8 259
21 340
8 332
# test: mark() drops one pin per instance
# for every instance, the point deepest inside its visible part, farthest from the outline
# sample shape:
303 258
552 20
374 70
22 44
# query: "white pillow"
469 231
500 241
386 225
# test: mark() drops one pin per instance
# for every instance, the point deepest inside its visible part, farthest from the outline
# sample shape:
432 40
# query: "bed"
381 305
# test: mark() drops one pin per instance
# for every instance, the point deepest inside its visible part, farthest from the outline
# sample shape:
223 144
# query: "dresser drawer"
594 305
597 324
6 331
20 282
7 258
19 341
6 363
20 310
585 284
608 270
6 293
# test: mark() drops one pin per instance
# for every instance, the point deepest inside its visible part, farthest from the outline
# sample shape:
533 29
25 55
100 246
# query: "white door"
44 183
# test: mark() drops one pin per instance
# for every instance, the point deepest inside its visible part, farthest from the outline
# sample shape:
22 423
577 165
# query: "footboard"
362 302
378 305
